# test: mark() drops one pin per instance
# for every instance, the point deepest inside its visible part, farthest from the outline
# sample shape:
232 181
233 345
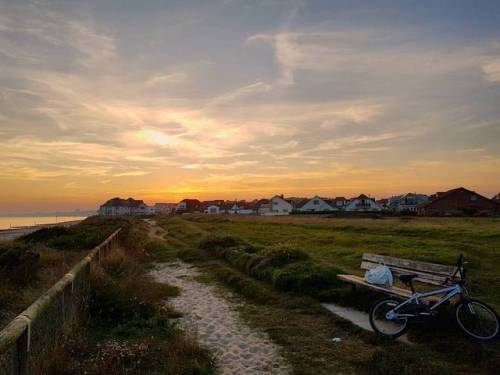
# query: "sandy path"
156 232
212 319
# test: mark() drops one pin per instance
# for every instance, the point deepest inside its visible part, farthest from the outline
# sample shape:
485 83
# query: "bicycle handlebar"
460 269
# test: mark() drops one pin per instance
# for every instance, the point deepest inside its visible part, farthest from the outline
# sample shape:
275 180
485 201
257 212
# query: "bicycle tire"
376 328
462 325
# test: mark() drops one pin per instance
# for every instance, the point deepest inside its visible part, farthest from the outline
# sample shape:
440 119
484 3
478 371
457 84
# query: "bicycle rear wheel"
391 329
477 319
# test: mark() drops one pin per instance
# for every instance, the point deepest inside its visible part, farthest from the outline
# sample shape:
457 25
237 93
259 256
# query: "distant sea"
7 222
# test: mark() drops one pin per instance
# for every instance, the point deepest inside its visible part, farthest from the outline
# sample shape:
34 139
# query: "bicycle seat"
407 278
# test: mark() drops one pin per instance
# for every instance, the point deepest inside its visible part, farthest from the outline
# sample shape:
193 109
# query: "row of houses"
453 202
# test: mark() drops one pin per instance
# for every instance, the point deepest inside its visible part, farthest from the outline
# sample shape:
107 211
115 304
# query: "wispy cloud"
238 98
491 70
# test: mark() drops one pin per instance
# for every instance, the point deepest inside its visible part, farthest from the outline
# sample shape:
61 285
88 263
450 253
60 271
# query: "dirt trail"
213 320
156 232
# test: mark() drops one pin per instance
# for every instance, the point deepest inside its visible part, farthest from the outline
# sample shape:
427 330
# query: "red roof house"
458 201
189 206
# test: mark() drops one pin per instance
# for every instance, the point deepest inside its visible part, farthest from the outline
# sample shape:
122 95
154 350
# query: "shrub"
283 254
7 295
18 263
83 236
46 234
122 357
218 241
117 264
304 278
125 296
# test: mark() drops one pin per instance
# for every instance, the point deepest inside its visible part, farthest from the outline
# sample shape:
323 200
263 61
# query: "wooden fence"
27 339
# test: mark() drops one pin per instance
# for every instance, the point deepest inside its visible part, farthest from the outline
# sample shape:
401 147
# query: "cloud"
240 93
166 79
185 100
95 47
39 33
132 173
223 166
368 53
491 70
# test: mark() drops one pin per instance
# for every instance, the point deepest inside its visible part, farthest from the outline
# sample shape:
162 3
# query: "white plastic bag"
380 275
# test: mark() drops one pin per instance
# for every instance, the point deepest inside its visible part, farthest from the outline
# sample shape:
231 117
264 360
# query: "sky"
239 99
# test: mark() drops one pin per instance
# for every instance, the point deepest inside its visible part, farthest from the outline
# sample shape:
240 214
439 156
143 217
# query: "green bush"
117 304
283 254
83 236
305 278
46 234
18 263
218 241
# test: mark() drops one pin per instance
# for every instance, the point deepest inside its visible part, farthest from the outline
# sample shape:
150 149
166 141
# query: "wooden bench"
427 273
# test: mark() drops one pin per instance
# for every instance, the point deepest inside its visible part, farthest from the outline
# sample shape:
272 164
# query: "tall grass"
32 263
129 329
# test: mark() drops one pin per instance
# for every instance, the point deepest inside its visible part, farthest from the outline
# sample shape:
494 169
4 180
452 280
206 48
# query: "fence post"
23 352
67 295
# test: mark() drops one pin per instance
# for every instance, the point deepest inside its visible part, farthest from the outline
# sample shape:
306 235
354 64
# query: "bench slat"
361 281
394 290
422 277
423 267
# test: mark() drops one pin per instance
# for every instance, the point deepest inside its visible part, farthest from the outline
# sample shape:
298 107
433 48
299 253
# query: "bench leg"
353 288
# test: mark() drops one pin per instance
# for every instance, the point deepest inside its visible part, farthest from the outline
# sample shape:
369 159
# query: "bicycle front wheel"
477 319
385 327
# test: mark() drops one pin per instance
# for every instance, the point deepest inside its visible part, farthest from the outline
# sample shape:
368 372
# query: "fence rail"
34 332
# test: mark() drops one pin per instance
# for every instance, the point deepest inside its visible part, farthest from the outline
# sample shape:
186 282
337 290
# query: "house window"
275 203
473 197
316 202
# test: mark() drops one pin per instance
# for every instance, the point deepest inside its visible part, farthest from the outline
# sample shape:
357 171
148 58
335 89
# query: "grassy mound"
286 267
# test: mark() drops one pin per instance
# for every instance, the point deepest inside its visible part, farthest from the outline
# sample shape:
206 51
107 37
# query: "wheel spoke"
383 325
477 320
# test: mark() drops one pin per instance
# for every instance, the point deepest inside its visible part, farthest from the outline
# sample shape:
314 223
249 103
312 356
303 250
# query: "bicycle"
390 318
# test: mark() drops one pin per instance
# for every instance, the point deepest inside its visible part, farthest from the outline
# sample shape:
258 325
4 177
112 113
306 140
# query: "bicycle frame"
450 291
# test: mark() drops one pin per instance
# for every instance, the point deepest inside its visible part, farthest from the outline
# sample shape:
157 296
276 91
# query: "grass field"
340 243
302 255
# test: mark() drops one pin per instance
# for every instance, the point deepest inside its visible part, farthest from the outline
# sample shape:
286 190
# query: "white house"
339 203
119 207
239 208
407 202
212 209
317 204
363 204
262 206
164 208
280 206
